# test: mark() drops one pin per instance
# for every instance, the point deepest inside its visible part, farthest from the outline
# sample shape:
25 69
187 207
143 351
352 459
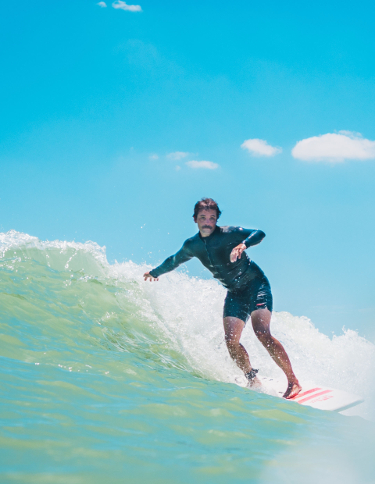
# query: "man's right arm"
171 263
252 237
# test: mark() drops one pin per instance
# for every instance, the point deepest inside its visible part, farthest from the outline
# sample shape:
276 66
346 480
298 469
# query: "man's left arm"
252 237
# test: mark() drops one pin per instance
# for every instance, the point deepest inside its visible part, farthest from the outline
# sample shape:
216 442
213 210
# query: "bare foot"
293 390
254 384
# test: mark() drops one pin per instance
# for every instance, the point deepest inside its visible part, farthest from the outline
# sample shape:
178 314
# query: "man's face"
206 220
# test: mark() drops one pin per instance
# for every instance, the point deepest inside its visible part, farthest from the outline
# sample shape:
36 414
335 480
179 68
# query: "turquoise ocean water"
107 379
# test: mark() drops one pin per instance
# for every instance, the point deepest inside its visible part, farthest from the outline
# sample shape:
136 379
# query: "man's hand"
148 276
237 252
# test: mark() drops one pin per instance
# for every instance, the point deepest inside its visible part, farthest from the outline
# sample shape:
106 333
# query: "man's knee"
232 343
230 340
264 336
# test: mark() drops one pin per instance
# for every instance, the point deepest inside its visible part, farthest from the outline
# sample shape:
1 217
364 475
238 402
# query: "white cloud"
260 147
335 147
153 157
124 6
208 165
102 4
177 155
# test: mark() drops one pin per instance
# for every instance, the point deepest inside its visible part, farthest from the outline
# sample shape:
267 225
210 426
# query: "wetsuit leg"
255 295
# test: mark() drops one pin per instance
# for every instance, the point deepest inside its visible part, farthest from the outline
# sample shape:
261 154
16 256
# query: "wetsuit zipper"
217 275
208 254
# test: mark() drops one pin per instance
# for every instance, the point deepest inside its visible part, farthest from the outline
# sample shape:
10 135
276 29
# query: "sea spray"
189 312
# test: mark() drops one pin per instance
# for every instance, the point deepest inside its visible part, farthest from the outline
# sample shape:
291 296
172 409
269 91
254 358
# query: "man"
221 251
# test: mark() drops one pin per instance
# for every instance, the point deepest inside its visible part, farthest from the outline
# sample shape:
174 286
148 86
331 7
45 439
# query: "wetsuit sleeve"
253 237
172 262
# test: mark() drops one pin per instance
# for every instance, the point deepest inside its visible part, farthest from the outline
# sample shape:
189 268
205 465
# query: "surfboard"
312 395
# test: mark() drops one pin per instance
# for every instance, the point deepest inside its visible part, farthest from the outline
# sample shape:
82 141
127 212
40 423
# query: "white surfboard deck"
322 398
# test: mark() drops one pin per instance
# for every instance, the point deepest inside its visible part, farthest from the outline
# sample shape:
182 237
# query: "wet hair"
206 204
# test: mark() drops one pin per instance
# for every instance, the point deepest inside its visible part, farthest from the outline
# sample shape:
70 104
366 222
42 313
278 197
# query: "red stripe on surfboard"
315 395
305 393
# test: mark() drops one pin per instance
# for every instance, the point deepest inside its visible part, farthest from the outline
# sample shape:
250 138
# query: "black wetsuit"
248 287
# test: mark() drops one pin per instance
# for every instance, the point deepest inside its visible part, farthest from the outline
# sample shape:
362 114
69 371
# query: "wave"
64 305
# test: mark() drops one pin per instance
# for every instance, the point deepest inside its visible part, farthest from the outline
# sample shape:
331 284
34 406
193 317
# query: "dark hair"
206 204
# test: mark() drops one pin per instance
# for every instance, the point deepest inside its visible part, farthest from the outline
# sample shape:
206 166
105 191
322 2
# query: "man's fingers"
236 253
149 277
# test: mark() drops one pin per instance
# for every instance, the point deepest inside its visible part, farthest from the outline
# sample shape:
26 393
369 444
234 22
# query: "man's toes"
292 390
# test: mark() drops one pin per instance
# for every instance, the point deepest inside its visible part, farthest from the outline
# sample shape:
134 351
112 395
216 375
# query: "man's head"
206 213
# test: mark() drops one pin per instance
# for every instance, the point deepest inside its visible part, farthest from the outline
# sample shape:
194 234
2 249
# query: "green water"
107 380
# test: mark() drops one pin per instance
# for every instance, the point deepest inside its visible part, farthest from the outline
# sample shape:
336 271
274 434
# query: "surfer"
222 251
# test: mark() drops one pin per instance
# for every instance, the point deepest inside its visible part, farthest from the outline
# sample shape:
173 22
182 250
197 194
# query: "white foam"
88 256
189 312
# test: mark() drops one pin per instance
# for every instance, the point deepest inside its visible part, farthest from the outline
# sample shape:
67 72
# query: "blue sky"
109 113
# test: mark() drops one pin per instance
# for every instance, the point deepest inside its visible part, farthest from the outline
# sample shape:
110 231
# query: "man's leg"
233 329
261 319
